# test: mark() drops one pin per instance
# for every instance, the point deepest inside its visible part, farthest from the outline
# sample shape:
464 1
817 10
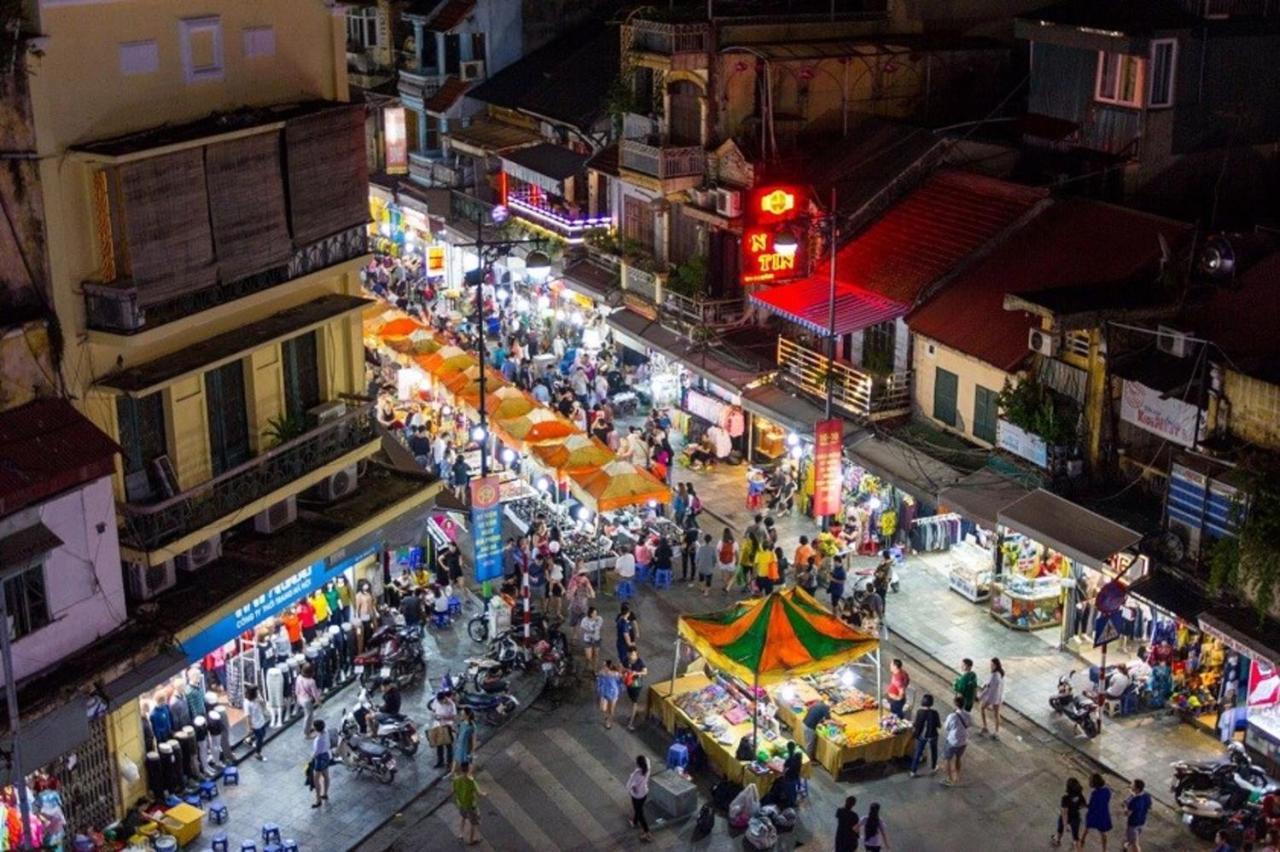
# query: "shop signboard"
1168 417
826 472
1264 685
486 527
268 604
435 260
397 140
1021 443
770 210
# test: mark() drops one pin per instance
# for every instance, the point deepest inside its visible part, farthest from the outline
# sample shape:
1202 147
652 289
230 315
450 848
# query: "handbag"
440 735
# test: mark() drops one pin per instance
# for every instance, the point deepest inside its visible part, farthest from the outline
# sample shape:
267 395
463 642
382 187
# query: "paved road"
554 781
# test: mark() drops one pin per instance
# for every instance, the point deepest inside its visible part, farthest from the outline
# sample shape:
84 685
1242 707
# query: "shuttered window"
945 384
228 424
984 414
27 603
327 172
246 205
301 375
142 439
637 222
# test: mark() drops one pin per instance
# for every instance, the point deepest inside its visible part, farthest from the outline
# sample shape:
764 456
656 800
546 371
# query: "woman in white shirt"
638 789
992 696
591 625
321 757
446 718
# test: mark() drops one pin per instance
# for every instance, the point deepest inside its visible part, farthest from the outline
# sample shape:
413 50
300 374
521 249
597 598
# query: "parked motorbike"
396 731
1231 808
556 664
492 708
361 754
1190 776
1080 710
396 652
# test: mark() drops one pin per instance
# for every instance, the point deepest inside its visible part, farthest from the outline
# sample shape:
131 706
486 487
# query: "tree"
1250 561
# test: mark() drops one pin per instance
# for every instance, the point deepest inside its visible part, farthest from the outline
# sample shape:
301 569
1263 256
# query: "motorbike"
486 675
1231 808
396 653
1080 710
552 657
1212 774
362 755
396 731
493 708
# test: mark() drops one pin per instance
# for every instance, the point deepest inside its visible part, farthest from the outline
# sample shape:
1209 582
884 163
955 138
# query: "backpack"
706 822
726 552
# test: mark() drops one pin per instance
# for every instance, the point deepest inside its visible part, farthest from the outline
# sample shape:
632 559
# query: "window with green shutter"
945 384
984 414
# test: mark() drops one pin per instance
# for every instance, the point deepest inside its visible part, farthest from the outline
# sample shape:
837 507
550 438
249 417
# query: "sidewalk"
275 790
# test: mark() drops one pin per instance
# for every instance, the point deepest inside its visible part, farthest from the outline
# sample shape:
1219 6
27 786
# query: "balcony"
571 228
859 393
686 314
152 526
662 162
115 307
429 172
644 284
418 83
684 46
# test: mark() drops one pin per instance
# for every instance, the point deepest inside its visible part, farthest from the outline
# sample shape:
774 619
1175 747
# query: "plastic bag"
761 834
744 806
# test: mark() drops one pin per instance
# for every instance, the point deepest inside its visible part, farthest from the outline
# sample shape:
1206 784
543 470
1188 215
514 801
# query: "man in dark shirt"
449 564
419 445
411 609
925 731
626 633
818 713
847 823
390 698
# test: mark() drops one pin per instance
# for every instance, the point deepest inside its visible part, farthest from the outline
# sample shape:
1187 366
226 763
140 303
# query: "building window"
26 601
1164 55
637 221
362 29
139 57
142 441
878 342
985 412
945 384
228 422
1119 79
259 42
201 49
301 375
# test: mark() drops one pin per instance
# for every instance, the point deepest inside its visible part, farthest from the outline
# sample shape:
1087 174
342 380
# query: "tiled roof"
1074 243
449 93
605 160
450 15
1253 345
931 231
46 447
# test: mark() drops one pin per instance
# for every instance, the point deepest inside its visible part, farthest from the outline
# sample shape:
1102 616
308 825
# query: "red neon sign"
770 208
762 262
778 202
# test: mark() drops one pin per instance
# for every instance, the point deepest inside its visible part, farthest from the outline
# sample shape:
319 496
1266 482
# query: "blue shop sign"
258 610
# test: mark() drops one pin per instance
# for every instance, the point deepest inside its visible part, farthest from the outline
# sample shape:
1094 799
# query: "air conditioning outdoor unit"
1173 342
1042 341
276 517
147 581
728 203
473 70
200 555
327 412
1188 535
702 197
336 487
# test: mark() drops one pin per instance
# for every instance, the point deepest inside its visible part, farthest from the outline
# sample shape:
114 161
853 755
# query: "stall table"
833 755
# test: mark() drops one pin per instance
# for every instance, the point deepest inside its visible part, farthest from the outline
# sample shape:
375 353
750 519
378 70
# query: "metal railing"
665 38
641 283
148 527
662 161
115 307
567 226
468 208
858 392
686 313
418 82
434 172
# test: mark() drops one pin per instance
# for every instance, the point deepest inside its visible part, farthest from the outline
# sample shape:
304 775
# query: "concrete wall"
82 578
970 372
26 364
1254 414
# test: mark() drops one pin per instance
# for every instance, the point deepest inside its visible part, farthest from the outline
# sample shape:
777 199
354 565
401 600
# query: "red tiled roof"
927 234
46 447
450 15
447 95
1071 244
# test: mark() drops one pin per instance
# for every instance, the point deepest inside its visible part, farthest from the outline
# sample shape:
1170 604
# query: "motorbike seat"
370 749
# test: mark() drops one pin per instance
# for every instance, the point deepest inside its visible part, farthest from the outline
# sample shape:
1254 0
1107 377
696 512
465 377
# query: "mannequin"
186 739
195 692
161 720
219 728
155 774
204 754
275 695
148 735
216 727
179 710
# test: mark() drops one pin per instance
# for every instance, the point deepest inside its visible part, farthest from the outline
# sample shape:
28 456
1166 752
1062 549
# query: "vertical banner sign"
828 441
397 140
1264 685
486 527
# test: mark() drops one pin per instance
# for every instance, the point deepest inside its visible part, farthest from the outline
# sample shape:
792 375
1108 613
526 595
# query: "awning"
920 475
807 303
27 547
642 334
590 279
1069 528
1171 594
773 402
1239 630
482 138
981 495
61 730
144 676
545 166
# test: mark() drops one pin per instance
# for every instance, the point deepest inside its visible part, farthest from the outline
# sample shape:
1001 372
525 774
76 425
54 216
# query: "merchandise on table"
970 571
1026 604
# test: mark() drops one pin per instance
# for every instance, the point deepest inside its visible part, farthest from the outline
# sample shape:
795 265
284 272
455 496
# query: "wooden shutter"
984 414
945 385
328 173
246 205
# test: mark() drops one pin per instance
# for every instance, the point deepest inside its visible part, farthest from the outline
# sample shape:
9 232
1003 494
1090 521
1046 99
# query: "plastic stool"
218 813
625 590
662 578
231 776
678 756
172 801
220 842
440 620
455 605
290 845
208 790
270 833
272 847
193 800
248 846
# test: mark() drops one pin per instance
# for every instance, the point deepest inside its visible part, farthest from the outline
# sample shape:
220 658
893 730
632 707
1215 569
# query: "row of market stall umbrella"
595 476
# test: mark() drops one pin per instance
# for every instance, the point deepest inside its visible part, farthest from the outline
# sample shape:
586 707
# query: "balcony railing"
418 82
148 527
667 39
571 228
662 161
435 173
686 313
467 208
115 307
644 284
860 393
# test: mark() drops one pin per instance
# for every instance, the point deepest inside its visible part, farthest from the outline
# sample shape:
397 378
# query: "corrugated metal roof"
46 447
1072 243
807 303
1069 528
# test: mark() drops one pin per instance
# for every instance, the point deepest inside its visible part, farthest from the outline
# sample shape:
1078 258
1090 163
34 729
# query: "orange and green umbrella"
534 427
447 361
505 403
618 484
771 639
575 453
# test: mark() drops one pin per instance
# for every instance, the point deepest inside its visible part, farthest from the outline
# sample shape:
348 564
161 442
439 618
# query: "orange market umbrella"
536 426
505 403
575 453
400 327
467 382
618 484
447 361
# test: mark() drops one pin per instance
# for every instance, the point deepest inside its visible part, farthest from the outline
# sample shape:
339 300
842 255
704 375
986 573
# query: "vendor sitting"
701 454
1117 681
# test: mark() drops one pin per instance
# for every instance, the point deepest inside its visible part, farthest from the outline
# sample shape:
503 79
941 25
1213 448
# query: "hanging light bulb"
478 433
584 514
793 439
846 678
543 483
508 455
538 266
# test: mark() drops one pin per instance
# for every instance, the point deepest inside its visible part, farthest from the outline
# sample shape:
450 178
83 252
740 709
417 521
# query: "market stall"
974 502
616 485
754 645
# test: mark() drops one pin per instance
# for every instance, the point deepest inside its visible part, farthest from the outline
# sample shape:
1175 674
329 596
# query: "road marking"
592 768
450 818
512 813
565 801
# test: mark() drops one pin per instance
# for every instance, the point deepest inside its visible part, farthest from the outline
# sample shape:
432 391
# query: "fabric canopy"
505 403
399 327
538 425
807 303
1070 529
447 361
575 453
770 639
616 485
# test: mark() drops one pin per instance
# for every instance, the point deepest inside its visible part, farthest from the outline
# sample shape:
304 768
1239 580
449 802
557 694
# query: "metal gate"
87 780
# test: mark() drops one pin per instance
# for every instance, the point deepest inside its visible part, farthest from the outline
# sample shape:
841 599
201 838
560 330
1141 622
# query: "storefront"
966 529
1245 698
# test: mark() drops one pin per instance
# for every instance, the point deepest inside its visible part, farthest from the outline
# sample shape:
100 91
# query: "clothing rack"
935 533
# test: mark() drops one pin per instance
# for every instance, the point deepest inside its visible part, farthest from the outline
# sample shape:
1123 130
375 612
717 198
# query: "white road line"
579 816
525 826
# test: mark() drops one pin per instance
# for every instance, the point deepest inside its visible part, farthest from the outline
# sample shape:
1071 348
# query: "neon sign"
777 202
763 263
769 211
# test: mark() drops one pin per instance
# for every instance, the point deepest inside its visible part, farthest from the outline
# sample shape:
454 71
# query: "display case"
1263 737
1026 604
970 571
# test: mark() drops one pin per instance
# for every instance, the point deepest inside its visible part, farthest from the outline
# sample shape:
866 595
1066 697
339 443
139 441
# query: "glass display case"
1027 604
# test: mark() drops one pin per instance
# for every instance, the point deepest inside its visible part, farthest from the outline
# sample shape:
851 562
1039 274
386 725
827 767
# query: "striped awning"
807 303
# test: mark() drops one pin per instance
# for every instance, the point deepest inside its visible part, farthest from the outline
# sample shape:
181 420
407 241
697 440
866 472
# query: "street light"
785 243
537 265
477 434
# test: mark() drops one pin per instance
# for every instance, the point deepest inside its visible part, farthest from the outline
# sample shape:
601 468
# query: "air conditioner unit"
200 555
147 581
1188 535
1173 342
336 487
473 70
276 517
326 412
702 197
1042 341
728 202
